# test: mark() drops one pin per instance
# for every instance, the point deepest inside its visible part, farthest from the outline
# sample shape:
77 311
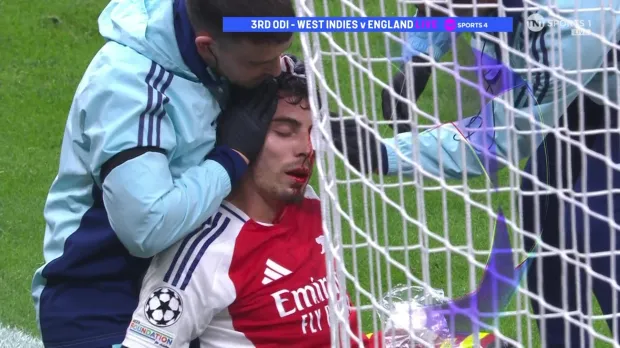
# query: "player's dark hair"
208 15
292 88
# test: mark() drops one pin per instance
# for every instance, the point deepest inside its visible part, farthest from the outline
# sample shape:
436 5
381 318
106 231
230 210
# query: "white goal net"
431 222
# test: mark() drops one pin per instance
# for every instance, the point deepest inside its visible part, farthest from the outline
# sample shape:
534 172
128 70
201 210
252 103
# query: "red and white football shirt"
239 283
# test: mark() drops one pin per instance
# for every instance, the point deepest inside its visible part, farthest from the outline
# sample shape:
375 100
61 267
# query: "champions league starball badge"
163 307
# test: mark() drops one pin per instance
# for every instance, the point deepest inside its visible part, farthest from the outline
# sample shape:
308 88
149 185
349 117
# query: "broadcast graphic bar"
368 24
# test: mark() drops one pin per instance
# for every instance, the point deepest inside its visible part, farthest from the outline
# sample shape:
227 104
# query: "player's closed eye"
285 127
284 131
284 134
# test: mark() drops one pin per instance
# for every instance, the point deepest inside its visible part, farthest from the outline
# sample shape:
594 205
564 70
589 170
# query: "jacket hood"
146 26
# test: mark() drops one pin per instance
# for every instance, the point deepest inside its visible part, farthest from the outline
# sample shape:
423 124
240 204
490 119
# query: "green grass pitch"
51 43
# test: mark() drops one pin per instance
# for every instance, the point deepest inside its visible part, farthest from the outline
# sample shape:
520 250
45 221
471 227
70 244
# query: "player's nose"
303 146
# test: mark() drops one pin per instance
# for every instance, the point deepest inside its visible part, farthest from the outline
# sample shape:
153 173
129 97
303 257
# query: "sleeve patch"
150 335
163 307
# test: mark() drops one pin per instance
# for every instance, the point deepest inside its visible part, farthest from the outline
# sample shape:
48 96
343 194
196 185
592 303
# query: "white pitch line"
11 337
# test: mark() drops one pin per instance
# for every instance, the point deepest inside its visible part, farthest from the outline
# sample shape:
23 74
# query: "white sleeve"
177 299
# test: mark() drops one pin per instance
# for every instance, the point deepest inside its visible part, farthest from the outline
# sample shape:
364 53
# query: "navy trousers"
582 232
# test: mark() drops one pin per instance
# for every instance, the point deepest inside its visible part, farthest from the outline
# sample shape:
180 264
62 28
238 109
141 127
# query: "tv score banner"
367 24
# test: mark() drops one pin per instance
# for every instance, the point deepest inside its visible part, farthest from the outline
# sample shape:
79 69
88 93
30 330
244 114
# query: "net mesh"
431 223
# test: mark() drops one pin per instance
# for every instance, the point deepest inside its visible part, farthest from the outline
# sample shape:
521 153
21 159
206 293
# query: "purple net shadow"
500 281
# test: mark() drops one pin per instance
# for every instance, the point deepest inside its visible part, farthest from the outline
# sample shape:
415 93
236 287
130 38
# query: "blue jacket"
134 176
497 134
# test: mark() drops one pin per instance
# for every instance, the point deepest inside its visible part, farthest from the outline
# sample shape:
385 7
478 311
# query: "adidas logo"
273 271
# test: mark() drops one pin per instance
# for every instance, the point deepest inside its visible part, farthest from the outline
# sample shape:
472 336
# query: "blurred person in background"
563 63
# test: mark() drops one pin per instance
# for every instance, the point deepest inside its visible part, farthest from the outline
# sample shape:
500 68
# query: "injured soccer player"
254 274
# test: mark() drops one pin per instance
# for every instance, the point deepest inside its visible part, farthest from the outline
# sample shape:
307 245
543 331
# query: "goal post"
425 228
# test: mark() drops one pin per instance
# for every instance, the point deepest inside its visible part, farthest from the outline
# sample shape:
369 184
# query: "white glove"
291 65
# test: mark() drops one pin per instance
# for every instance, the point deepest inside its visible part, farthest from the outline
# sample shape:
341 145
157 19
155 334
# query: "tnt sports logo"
164 307
535 22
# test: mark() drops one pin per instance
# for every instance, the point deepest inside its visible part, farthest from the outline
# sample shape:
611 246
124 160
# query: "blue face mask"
419 43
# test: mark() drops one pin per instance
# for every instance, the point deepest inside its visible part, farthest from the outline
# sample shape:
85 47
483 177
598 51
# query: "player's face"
245 63
283 168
